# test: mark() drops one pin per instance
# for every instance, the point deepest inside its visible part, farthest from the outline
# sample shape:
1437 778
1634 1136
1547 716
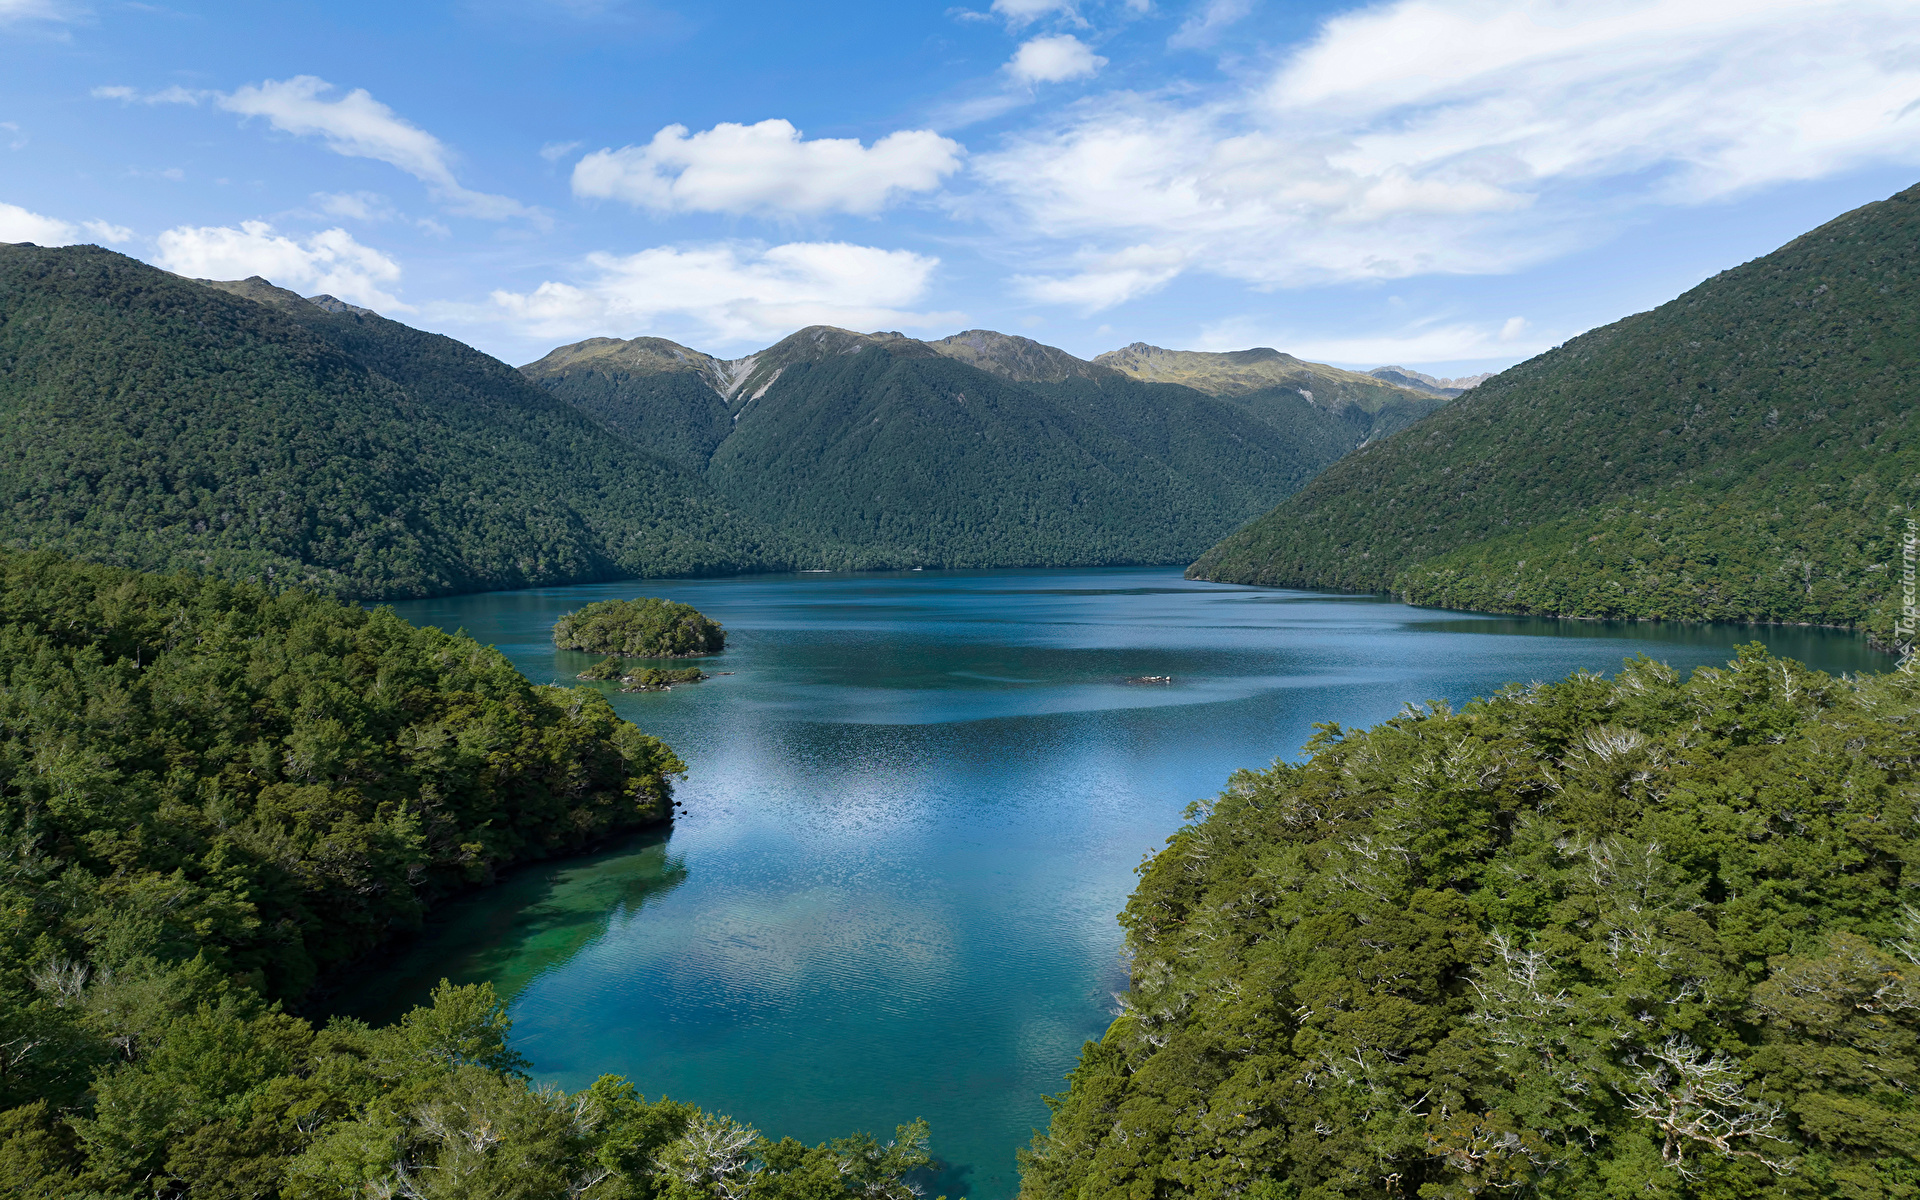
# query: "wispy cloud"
21 12
767 168
1018 14
1209 19
359 126
1430 341
1414 137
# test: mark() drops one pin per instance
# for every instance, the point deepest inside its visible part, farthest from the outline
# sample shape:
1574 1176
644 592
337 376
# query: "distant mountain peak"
1011 356
1242 372
265 291
1407 377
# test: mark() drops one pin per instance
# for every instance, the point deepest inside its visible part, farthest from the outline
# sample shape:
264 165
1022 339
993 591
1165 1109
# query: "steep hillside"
894 454
1745 452
150 421
981 449
1594 940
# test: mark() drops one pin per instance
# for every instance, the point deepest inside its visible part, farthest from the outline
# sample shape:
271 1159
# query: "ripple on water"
914 810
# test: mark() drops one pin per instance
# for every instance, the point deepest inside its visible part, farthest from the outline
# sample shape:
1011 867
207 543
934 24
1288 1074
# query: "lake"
913 811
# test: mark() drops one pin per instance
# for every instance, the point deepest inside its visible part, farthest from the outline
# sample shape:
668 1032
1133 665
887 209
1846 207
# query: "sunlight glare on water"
914 810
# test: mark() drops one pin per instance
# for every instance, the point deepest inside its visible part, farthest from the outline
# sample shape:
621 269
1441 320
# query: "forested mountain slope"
212 792
1598 940
1745 452
152 421
980 449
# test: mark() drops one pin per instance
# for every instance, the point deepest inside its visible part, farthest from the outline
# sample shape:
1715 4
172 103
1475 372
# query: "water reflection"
915 808
535 919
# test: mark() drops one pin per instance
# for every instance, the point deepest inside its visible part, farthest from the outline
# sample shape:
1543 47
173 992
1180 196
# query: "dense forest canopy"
979 450
210 793
645 627
152 422
1745 452
1639 937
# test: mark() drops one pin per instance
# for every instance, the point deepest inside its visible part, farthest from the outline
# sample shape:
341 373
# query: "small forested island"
642 679
215 793
1639 937
644 628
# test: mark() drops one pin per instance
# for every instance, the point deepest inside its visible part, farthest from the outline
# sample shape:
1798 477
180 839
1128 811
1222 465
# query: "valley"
313 899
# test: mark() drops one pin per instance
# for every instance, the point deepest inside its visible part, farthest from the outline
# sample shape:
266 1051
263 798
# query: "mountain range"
1745 452
242 430
980 449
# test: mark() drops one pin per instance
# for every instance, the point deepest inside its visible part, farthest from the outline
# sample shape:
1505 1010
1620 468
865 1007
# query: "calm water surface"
915 808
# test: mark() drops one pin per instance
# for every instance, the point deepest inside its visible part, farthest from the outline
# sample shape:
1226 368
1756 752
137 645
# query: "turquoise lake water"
914 809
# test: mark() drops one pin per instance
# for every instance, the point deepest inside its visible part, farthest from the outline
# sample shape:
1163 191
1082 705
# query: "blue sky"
1452 186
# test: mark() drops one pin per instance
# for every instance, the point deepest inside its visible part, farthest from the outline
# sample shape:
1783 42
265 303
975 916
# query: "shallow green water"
915 808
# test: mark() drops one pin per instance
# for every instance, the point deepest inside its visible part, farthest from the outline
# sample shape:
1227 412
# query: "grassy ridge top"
1243 372
149 421
1745 451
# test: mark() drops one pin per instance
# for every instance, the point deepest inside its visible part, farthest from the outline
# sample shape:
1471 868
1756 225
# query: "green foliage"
654 679
1628 938
876 451
275 781
209 793
1745 452
156 423
647 627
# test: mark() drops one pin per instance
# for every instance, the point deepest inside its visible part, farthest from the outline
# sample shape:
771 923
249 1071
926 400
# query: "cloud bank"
1418 137
733 292
767 168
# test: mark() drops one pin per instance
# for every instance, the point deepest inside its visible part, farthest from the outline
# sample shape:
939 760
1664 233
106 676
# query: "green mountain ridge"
980 449
244 432
1745 452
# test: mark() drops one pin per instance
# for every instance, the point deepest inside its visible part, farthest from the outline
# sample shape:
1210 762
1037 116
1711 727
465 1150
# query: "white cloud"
1419 137
1021 13
329 261
167 95
1205 25
1053 60
733 292
39 10
359 126
555 151
1104 280
767 168
20 225
15 139
355 206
